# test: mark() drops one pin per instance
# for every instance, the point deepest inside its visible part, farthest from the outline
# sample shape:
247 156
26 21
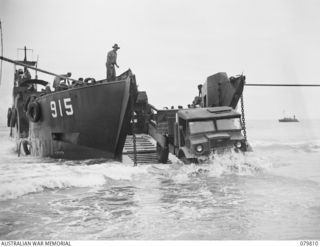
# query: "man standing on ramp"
111 62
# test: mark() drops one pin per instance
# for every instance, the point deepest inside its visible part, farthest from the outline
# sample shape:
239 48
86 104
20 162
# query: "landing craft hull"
84 122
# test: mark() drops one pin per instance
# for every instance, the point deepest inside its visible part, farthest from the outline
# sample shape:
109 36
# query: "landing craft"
79 120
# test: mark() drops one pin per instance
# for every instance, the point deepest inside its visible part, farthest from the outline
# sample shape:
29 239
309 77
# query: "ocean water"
272 193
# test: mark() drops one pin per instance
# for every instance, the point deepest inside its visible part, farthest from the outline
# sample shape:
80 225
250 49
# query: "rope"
243 120
281 85
1 52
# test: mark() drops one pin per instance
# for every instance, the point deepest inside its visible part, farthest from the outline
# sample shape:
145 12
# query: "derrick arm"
36 69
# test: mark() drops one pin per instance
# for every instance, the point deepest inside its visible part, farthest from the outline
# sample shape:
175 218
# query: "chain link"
135 163
134 143
243 119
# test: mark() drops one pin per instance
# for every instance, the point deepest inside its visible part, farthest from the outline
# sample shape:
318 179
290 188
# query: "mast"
25 57
37 67
25 54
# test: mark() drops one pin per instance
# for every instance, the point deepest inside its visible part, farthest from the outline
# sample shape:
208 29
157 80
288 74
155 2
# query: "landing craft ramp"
146 149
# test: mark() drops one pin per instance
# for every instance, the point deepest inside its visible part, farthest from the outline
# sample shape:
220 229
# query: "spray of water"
217 165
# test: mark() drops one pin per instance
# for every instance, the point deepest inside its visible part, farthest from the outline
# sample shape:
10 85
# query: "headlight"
238 144
199 148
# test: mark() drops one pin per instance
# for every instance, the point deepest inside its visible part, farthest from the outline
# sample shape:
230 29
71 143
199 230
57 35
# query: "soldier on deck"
26 74
111 62
60 82
18 76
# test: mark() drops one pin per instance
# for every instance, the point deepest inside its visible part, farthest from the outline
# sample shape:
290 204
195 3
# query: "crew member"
18 77
60 81
111 62
26 74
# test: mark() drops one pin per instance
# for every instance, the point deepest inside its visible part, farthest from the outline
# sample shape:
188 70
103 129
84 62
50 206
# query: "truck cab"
200 131
194 134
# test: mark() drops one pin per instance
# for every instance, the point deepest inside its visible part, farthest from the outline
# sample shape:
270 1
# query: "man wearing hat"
111 62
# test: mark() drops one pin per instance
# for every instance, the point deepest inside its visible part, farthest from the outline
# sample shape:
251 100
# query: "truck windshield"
200 127
228 124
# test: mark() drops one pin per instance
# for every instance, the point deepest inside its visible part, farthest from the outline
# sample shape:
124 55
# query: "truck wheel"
162 154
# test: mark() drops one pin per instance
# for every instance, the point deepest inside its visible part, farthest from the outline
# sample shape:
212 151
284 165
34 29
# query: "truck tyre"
162 154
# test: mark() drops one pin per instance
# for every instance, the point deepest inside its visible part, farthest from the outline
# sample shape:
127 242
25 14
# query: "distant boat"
289 119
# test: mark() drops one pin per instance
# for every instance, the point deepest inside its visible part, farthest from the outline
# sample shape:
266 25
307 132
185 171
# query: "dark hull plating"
84 122
288 120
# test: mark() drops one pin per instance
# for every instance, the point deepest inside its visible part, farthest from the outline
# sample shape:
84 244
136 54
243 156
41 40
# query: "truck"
192 135
209 126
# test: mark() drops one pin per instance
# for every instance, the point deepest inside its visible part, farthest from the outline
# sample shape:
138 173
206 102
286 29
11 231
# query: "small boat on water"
288 119
82 120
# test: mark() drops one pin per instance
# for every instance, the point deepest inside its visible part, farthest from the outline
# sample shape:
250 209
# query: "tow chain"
133 128
243 120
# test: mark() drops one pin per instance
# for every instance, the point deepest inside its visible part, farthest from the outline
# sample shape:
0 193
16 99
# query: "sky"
172 46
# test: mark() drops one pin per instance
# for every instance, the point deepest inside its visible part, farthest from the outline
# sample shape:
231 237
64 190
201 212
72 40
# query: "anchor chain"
243 120
133 129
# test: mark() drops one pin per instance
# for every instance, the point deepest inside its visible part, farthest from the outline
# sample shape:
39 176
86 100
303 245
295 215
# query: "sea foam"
22 178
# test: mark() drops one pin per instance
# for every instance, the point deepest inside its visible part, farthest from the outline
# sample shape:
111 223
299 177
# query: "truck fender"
184 152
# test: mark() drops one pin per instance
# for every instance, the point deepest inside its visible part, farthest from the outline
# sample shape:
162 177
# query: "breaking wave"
31 175
19 179
26 174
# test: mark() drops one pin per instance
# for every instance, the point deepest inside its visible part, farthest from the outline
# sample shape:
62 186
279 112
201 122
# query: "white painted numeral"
68 107
65 109
53 109
61 115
